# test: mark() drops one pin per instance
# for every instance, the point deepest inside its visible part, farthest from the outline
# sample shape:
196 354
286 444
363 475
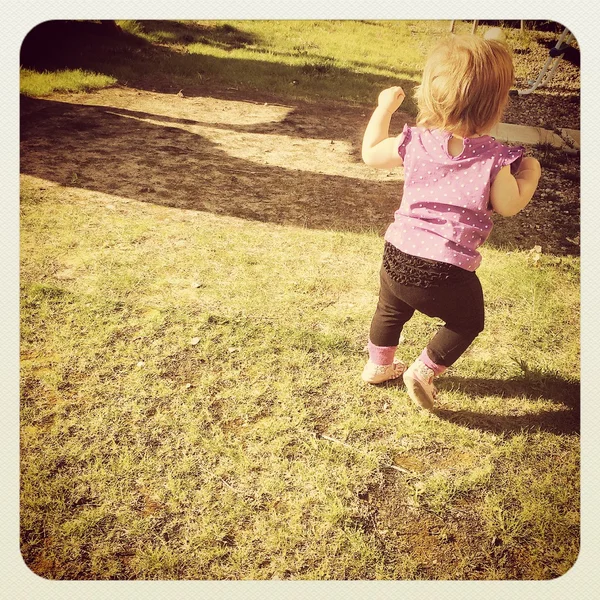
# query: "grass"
308 60
36 84
192 407
293 59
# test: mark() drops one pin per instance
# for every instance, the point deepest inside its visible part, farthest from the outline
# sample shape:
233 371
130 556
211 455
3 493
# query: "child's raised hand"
391 99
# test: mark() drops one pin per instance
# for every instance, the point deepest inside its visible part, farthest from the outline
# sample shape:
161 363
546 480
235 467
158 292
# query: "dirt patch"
254 159
452 546
240 158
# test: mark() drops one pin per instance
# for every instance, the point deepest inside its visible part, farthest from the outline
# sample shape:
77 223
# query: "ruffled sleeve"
508 155
513 157
402 141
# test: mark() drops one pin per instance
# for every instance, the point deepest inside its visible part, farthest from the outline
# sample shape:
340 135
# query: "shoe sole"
380 379
374 380
417 392
377 380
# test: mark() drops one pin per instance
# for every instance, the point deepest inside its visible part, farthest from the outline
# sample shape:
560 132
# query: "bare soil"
249 155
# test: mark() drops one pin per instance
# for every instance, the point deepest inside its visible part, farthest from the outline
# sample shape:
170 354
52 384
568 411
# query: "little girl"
456 174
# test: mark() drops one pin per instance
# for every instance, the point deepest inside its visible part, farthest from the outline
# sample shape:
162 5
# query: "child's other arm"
378 149
510 194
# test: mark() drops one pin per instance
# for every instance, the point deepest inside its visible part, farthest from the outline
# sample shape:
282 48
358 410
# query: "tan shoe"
373 373
418 379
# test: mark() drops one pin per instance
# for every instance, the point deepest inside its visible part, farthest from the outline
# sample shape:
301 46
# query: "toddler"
456 174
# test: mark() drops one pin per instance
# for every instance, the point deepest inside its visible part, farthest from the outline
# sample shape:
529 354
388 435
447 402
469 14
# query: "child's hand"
529 169
391 99
509 193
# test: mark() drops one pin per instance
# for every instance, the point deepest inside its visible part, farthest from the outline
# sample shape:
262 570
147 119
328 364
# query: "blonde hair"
465 85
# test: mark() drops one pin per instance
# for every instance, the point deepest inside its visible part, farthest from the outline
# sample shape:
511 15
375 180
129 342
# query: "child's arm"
379 150
510 194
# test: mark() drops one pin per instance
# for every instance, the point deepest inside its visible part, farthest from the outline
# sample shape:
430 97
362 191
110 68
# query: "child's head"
465 85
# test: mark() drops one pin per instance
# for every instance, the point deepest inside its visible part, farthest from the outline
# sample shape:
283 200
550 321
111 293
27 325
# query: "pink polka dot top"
445 214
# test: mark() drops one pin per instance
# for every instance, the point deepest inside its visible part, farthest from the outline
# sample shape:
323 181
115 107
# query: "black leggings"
459 304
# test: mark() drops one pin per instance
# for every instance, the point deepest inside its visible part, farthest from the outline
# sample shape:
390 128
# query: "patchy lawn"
198 275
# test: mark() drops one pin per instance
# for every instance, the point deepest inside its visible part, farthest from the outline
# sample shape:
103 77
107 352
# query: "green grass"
36 84
192 408
191 402
316 61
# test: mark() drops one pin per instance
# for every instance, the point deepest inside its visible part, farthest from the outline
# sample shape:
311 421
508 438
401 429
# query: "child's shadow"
562 419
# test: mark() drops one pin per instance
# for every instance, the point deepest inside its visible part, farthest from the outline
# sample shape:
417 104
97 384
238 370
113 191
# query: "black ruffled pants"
410 284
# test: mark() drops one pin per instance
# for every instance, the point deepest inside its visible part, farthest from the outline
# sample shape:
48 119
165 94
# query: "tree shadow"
95 148
219 35
530 386
111 150
274 194
137 62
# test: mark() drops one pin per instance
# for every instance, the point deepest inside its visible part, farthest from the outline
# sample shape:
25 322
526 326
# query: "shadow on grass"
166 66
111 150
94 148
531 386
83 142
222 36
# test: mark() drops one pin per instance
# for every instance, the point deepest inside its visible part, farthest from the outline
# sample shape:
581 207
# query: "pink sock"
381 355
437 369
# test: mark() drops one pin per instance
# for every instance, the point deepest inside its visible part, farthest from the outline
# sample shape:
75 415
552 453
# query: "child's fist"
391 99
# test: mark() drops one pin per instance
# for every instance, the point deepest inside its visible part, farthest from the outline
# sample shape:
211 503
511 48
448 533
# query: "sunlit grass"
34 83
192 407
349 61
